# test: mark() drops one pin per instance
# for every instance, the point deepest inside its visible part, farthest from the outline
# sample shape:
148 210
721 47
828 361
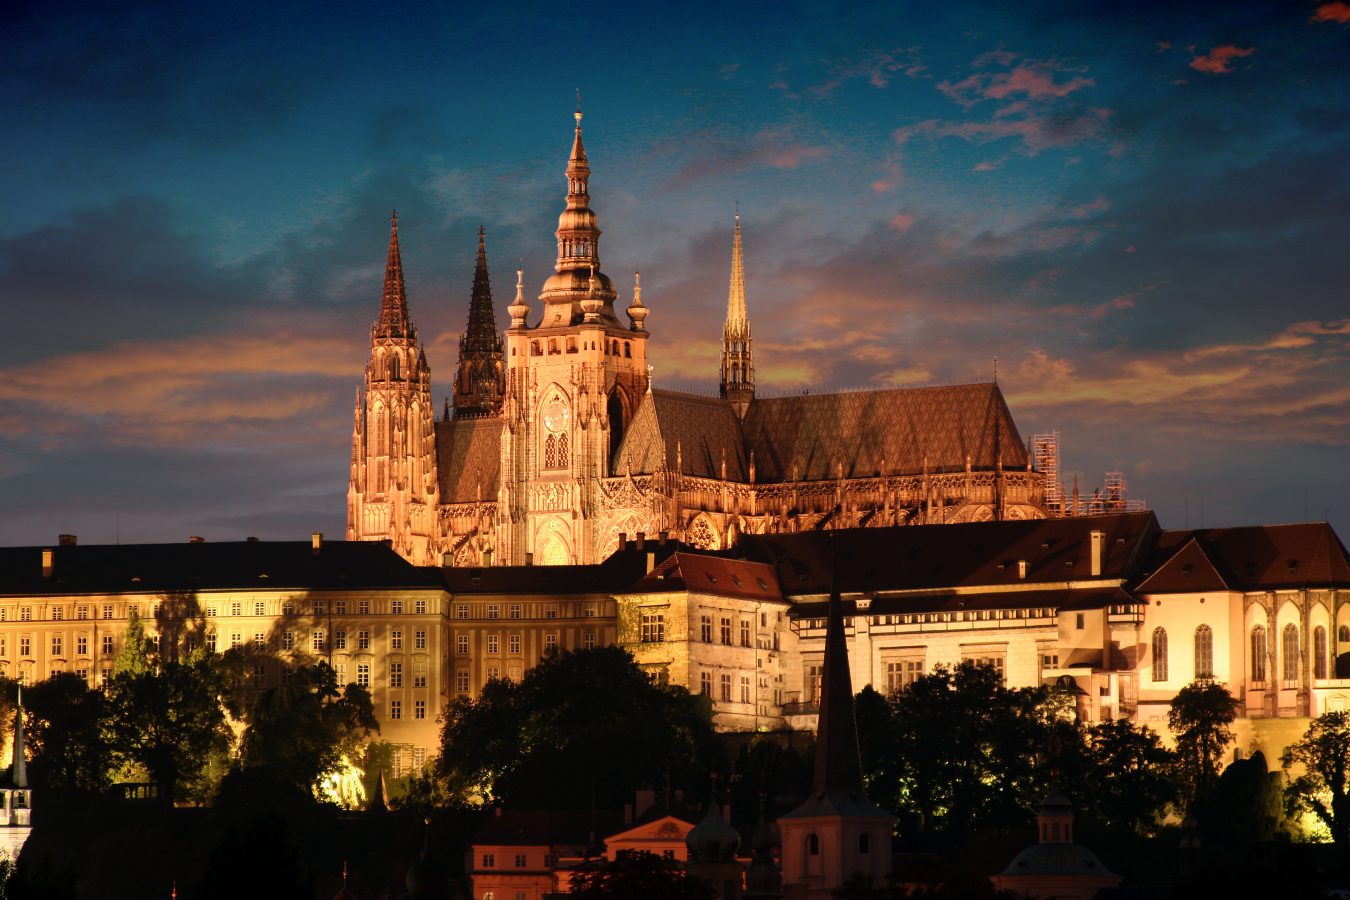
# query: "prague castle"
556 444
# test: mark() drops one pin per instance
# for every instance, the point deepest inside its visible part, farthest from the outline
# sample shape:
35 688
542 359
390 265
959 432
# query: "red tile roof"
1251 558
712 575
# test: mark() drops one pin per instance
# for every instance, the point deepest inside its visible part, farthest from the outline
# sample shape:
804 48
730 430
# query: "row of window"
24 644
343 639
724 686
611 348
107 611
419 709
514 610
1260 653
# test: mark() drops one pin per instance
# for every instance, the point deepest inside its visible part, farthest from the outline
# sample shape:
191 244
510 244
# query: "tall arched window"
1160 654
1289 650
562 450
550 452
393 368
1343 634
1319 652
1259 654
1204 652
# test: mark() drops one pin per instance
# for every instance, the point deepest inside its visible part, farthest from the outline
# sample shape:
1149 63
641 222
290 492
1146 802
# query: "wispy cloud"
717 156
1219 60
1337 11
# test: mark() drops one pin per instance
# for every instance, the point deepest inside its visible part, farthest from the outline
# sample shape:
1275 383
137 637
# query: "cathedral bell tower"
393 491
738 362
573 383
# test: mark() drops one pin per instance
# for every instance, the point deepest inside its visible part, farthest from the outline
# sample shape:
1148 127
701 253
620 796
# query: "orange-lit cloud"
1218 61
1333 12
1036 133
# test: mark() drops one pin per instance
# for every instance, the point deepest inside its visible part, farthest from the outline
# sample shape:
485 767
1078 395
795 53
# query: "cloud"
1218 61
775 147
1337 11
1034 133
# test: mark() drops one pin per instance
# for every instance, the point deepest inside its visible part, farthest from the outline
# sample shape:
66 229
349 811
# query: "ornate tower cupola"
738 364
578 251
480 379
394 490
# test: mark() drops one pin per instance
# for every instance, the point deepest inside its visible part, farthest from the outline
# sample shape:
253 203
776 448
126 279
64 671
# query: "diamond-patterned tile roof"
690 427
468 457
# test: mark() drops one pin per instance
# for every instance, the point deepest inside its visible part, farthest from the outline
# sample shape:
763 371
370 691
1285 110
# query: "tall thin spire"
394 304
480 379
738 361
838 763
18 770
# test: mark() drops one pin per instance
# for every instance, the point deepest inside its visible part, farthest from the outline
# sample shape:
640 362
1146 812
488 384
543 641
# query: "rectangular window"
56 645
494 611
396 674
395 709
419 673
811 690
494 643
550 640
420 607
462 611
489 860
745 688
4 646
513 644
259 640
396 607
396 639
419 709
589 611
259 673
340 607
320 607
58 613
107 611
653 628
25 646
210 642
462 680
25 613
726 631
210 612
745 632
288 607
340 639
81 612
316 640
588 640
901 673
236 609
520 860
1078 621
462 644
493 673
513 611
420 639
259 608
363 640
105 675
705 629
81 645
288 640
363 607
363 674
551 611
705 683
724 684
993 660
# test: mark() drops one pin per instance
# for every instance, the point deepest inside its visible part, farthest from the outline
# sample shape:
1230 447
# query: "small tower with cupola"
573 382
393 491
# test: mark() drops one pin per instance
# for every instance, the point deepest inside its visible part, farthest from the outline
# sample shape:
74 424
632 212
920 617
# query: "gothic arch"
551 544
619 411
703 534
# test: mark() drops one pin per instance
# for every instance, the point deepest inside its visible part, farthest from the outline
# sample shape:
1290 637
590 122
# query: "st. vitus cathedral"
556 443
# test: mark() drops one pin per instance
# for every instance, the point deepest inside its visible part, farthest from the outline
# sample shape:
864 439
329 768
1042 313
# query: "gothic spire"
18 771
838 764
394 304
738 361
481 335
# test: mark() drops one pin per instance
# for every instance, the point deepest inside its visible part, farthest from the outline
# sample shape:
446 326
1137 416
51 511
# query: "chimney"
196 539
665 536
487 556
641 539
1022 569
623 540
316 542
68 540
529 559
1098 544
48 561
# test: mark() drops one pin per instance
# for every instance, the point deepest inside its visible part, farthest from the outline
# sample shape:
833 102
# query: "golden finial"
578 112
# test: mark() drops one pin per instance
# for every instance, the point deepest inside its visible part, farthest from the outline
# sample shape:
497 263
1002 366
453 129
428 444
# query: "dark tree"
878 735
593 714
967 749
1201 717
303 728
635 875
1130 777
170 723
64 723
1324 787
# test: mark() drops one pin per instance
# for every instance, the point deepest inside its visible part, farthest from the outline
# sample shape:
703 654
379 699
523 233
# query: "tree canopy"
1201 718
636 875
582 726
1324 787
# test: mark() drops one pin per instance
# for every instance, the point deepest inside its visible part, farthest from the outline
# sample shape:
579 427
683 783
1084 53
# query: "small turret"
738 363
637 313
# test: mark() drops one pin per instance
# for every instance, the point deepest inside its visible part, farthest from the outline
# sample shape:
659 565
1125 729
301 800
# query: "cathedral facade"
556 444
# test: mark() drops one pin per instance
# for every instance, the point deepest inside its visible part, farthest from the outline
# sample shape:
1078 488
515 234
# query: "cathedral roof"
810 437
468 458
960 555
1251 558
121 568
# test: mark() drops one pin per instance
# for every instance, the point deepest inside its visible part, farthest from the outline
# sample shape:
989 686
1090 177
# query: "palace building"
555 442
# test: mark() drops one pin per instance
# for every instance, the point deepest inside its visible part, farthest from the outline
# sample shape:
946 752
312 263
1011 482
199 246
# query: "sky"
1137 213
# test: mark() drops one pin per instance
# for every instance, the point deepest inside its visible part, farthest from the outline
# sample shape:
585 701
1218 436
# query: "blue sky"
1140 211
